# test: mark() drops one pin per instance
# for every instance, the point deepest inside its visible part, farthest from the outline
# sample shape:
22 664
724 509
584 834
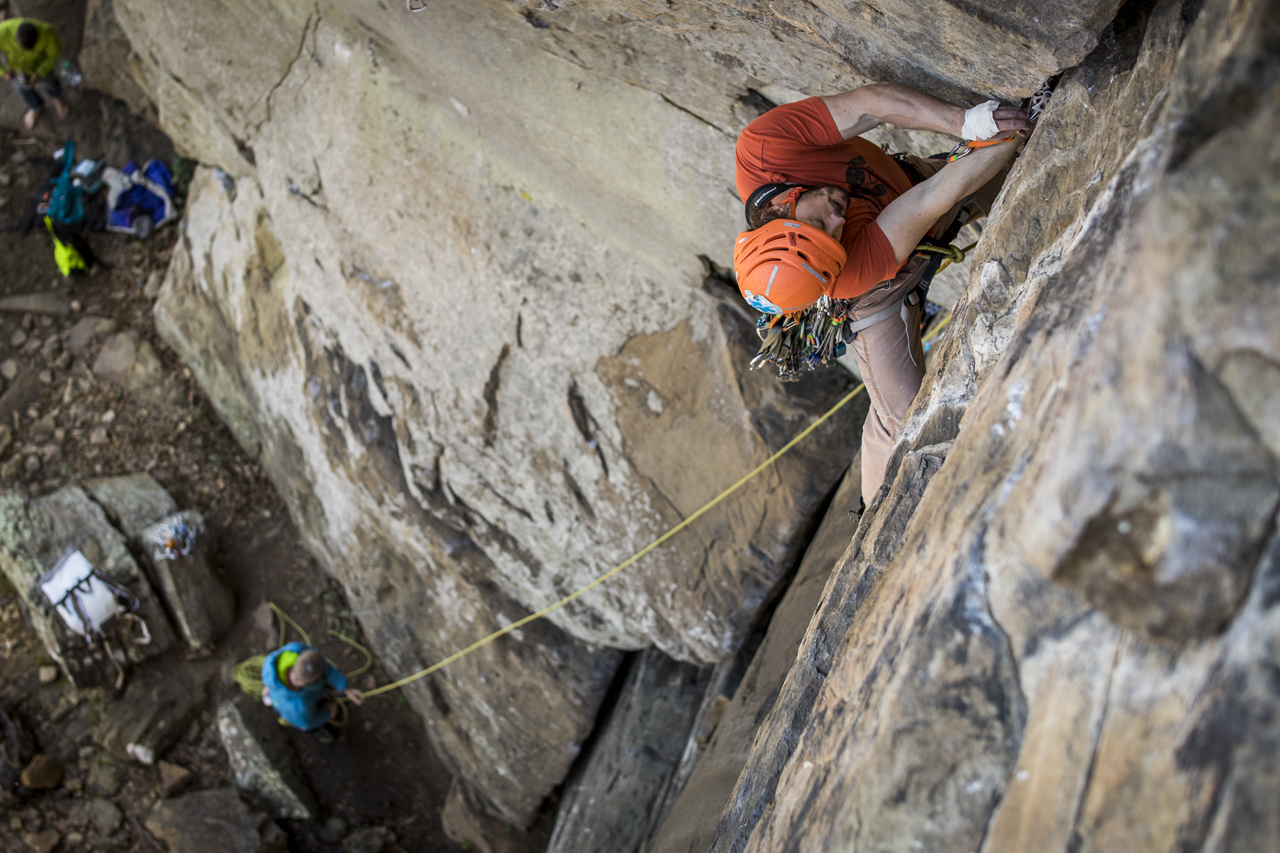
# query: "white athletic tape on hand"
979 123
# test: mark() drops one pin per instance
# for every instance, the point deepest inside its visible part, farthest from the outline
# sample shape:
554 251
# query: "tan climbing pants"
889 354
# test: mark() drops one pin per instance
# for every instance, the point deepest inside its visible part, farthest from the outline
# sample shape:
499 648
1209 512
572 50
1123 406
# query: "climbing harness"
817 336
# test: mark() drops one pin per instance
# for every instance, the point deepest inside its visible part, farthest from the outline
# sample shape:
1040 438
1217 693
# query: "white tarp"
73 579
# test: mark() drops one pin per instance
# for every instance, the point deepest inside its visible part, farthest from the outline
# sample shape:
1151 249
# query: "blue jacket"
303 708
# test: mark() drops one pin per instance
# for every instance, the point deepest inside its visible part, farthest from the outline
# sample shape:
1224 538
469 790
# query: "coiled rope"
248 673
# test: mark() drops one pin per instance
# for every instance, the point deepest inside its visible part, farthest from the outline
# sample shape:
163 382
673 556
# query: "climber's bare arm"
865 108
913 213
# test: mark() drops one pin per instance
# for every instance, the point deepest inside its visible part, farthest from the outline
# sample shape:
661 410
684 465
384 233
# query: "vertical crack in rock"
587 426
302 46
490 429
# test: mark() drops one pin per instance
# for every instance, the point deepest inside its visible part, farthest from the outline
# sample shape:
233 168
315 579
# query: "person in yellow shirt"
29 50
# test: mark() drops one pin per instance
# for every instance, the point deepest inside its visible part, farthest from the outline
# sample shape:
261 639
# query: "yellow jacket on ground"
41 59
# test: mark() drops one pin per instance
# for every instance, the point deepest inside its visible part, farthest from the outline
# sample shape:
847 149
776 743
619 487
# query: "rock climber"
30 51
297 681
829 213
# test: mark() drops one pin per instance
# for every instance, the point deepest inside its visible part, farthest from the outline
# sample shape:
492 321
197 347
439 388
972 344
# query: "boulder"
33 536
214 821
80 335
132 501
130 361
180 550
154 711
105 778
173 778
608 802
1055 629
263 761
467 428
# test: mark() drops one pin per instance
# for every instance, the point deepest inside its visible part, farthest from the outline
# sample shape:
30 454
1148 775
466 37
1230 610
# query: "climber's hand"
354 695
1011 118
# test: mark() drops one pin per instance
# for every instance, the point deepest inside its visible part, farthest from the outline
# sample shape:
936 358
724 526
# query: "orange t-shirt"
799 143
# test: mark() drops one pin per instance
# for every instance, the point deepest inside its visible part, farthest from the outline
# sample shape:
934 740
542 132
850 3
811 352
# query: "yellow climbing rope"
955 254
248 673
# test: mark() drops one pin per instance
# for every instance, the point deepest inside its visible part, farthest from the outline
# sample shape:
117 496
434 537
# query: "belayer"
29 50
831 217
301 685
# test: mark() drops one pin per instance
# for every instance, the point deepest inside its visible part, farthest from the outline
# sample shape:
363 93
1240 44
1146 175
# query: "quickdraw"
1036 105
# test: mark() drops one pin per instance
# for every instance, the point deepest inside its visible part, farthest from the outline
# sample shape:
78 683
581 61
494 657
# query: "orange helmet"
784 265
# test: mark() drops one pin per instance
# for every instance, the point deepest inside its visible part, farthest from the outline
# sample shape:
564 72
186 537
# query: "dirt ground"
382 770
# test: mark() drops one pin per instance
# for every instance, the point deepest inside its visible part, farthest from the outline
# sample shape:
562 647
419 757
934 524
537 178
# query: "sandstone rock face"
445 281
1053 630
990 46
471 345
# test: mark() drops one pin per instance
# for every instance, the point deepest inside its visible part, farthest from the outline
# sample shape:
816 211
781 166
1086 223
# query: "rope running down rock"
248 673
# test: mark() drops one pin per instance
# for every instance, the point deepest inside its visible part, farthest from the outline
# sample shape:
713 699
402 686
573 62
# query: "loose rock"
105 815
85 330
370 839
43 773
36 303
131 361
48 674
105 778
8 369
333 830
43 842
173 778
18 338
